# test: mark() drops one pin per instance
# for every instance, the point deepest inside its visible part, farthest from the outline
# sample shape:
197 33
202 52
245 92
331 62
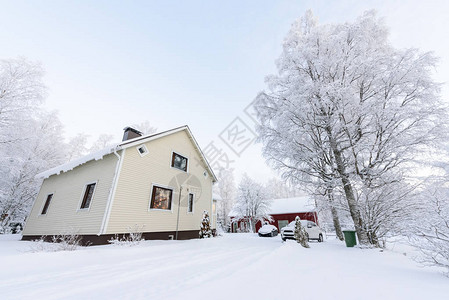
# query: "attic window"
179 162
142 149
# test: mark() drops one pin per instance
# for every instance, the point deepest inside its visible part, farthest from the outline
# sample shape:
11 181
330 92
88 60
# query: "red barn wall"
311 216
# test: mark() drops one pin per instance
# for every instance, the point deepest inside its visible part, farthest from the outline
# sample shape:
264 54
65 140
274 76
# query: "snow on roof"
287 206
77 162
292 205
122 145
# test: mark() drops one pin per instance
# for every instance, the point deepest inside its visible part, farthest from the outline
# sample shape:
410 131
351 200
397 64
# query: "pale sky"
113 63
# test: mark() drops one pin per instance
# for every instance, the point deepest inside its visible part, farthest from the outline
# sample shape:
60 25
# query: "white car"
313 231
268 230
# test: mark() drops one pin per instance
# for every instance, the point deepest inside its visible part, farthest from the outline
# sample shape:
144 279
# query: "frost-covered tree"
205 231
36 149
280 189
428 229
145 127
431 228
77 146
21 92
103 141
344 92
252 202
226 189
301 234
30 139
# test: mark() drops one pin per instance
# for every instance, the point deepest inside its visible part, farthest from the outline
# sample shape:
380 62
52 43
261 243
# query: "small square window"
88 194
179 162
47 204
142 149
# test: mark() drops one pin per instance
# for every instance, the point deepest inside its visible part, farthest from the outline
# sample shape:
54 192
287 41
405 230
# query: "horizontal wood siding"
133 195
63 212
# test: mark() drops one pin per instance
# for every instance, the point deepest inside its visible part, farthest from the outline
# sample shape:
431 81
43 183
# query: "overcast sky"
113 63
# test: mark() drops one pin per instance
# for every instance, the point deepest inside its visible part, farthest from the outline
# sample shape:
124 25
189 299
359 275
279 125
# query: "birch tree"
36 149
21 92
252 203
227 191
145 127
30 139
344 94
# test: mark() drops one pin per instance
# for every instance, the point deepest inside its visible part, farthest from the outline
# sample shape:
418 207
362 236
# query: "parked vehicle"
268 230
313 231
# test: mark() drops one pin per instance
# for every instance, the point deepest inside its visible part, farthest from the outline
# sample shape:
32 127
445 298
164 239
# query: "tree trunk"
349 192
335 218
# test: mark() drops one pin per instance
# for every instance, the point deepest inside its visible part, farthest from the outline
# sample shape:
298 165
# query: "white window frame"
188 161
193 203
144 147
82 196
164 187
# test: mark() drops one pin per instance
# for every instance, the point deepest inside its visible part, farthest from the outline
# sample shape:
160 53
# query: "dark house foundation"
92 240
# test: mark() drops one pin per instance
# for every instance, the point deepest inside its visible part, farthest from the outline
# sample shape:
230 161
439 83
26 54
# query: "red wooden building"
283 211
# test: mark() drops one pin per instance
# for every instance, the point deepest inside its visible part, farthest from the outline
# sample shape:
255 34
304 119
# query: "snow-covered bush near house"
68 241
42 245
205 230
132 238
228 267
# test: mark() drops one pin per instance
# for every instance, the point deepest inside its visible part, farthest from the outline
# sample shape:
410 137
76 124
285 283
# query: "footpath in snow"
235 266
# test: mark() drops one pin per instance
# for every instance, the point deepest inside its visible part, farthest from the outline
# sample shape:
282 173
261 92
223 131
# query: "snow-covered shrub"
42 245
68 241
205 231
301 234
430 231
132 238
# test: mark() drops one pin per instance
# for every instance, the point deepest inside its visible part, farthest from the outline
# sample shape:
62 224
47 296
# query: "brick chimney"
130 133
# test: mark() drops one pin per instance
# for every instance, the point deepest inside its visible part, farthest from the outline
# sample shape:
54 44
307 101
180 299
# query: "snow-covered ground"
235 266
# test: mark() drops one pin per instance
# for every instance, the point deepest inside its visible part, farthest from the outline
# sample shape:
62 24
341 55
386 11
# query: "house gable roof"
123 145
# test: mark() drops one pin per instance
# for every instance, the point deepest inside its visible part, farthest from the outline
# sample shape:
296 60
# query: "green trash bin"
350 238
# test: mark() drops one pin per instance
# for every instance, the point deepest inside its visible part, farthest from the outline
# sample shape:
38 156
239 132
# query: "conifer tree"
205 231
301 234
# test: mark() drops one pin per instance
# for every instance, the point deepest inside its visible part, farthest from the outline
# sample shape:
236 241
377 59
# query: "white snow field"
235 266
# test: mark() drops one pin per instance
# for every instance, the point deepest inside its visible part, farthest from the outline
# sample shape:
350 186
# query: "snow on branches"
252 203
348 113
301 234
